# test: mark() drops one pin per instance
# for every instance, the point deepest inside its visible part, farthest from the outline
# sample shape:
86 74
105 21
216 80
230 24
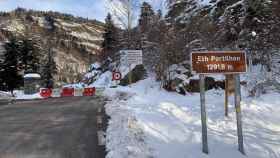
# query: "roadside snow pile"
104 80
21 96
124 137
32 75
5 93
147 121
95 65
76 85
92 74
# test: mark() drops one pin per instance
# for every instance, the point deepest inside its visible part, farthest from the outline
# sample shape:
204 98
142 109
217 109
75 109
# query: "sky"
93 9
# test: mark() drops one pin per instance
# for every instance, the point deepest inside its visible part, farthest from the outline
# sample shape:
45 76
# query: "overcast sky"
93 9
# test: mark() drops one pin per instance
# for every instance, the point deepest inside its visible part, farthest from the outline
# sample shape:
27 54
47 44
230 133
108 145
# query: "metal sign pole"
237 98
226 96
130 75
203 114
220 62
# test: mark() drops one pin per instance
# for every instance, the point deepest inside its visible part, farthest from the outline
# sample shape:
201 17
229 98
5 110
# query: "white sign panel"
129 57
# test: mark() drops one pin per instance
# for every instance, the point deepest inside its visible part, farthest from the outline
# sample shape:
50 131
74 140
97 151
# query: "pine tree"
276 20
11 77
175 8
2 84
148 24
147 17
110 43
2 87
49 69
29 56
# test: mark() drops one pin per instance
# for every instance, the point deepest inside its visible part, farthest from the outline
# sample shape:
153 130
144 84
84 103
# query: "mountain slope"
74 42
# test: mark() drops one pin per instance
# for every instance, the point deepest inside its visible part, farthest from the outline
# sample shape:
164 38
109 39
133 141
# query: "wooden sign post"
229 90
231 63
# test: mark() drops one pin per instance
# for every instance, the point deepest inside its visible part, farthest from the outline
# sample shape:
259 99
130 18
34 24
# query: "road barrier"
45 92
56 93
78 92
89 91
70 92
67 92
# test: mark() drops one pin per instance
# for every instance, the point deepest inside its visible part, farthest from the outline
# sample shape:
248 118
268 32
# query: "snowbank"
76 85
104 80
92 74
95 65
32 75
5 93
147 121
21 96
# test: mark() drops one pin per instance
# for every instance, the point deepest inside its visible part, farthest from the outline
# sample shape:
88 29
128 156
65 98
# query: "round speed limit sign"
117 76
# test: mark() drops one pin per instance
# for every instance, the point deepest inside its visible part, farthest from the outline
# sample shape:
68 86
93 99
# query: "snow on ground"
32 75
5 93
75 85
15 26
21 96
147 121
42 22
95 65
104 80
85 35
205 2
68 24
95 30
88 44
92 74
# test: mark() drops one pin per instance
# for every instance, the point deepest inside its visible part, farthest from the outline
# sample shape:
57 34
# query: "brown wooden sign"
226 62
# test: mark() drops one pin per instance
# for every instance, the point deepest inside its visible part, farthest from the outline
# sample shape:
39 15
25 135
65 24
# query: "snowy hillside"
74 41
147 121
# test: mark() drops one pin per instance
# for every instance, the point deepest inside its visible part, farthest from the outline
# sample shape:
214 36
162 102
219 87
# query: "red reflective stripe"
89 91
45 93
67 92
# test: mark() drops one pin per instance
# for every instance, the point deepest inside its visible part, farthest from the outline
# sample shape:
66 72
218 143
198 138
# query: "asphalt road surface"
52 128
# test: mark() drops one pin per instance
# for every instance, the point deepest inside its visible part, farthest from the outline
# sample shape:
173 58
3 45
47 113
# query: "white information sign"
129 57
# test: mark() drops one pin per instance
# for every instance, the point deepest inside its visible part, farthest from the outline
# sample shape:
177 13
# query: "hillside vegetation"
72 42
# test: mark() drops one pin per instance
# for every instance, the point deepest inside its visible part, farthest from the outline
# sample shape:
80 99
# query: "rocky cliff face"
74 42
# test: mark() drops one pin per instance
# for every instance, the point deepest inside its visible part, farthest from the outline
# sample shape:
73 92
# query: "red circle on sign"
117 76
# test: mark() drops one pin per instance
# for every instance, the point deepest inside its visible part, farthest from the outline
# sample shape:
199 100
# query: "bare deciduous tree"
123 12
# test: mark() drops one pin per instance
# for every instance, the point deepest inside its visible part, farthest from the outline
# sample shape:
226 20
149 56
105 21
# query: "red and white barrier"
89 91
67 92
56 93
78 92
45 92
